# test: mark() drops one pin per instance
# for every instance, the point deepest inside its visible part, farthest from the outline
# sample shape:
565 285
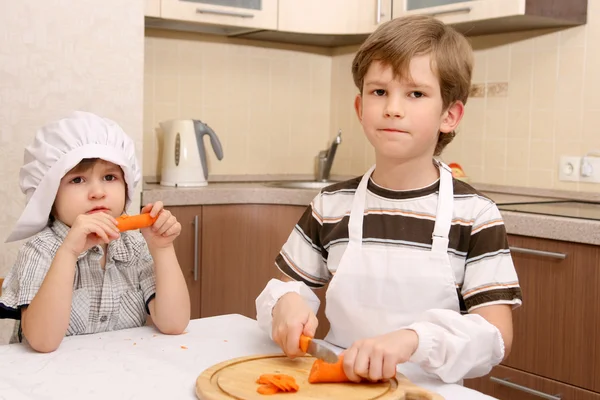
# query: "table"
141 363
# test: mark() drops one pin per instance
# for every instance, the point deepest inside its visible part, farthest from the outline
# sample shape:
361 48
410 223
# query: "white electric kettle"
184 156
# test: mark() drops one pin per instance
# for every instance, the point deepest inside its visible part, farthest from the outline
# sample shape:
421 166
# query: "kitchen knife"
318 348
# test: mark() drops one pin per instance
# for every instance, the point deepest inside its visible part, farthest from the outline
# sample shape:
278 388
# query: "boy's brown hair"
397 41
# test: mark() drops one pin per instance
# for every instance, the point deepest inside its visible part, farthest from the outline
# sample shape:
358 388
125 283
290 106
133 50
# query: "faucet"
325 159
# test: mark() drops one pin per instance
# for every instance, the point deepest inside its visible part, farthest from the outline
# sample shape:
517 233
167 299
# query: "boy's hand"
291 318
164 230
89 230
376 358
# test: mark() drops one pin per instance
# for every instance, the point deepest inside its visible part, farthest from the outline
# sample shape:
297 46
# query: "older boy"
418 264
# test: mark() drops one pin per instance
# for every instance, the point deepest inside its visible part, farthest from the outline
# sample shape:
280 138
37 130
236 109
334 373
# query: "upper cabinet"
253 14
476 17
333 17
152 8
332 23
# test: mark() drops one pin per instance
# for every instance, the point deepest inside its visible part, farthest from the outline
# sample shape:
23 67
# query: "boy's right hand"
291 318
89 230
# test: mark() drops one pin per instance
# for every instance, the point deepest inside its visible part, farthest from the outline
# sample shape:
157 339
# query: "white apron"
379 289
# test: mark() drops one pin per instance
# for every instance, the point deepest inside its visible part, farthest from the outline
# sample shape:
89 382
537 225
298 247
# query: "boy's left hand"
164 230
376 358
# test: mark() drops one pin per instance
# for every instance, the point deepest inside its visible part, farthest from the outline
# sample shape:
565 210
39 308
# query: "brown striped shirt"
478 247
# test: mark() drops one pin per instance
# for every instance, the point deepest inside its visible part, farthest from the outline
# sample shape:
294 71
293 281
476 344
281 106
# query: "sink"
313 185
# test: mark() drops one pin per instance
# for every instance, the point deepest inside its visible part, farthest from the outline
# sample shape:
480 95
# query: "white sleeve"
454 346
275 288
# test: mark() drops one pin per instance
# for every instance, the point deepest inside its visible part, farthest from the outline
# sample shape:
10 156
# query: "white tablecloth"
143 364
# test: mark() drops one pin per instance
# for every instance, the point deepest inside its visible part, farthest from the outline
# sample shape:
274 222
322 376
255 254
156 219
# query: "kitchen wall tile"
498 64
268 103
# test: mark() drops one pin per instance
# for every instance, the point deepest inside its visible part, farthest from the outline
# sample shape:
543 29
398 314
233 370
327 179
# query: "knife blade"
318 348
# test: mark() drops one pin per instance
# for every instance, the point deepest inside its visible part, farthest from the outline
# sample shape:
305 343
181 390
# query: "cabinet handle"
451 11
378 19
196 226
507 383
222 12
560 256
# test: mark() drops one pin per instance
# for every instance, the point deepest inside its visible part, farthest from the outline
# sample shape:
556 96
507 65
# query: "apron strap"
355 225
445 209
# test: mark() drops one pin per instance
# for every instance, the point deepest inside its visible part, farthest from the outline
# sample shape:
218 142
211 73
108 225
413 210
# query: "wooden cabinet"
476 17
239 246
557 330
227 254
333 17
255 14
152 8
187 248
506 383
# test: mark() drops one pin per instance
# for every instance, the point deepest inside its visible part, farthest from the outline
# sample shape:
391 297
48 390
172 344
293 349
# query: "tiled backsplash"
268 103
535 97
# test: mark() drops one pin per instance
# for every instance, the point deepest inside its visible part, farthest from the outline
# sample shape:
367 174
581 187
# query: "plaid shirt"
112 298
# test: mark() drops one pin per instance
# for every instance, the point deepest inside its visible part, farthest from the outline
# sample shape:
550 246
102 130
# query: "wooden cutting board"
236 379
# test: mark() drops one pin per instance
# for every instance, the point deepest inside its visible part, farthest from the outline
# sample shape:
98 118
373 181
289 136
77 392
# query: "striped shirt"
478 246
112 298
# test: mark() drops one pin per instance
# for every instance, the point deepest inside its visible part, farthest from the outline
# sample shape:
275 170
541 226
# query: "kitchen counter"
141 364
517 223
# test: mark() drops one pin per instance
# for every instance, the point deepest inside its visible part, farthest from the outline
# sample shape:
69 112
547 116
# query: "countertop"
142 364
250 190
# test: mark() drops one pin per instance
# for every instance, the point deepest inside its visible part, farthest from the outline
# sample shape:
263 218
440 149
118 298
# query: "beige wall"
268 103
514 137
57 57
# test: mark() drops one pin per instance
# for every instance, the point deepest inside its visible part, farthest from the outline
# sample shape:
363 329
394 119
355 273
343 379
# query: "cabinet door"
557 330
239 246
152 8
258 14
505 383
455 11
333 16
187 247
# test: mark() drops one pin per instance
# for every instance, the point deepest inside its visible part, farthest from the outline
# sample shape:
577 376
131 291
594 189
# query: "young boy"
78 274
418 264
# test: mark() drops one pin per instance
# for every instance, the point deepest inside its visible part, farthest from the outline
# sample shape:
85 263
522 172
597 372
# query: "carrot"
267 389
324 372
130 222
277 382
304 342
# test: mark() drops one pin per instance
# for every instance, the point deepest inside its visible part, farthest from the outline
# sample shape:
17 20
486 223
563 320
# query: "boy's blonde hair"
397 41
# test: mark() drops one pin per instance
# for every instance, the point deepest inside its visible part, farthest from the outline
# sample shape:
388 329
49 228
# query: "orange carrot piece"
323 372
131 222
278 383
304 342
267 389
283 383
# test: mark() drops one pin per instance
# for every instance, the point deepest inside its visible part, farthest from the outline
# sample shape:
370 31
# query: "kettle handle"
203 129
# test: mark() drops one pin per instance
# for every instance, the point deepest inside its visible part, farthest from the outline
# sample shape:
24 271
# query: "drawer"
506 383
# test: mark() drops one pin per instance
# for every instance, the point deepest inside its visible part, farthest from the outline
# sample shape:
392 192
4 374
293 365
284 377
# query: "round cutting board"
236 379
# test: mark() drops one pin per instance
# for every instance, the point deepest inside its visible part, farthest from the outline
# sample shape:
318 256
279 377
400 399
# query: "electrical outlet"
569 168
590 170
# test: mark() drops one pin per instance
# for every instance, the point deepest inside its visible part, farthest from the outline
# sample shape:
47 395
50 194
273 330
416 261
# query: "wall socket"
571 169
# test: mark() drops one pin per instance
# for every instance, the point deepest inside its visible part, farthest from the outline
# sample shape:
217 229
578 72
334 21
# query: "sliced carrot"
267 389
131 222
324 372
304 342
283 383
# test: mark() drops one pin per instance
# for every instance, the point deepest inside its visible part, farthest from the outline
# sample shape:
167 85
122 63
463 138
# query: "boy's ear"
452 116
358 106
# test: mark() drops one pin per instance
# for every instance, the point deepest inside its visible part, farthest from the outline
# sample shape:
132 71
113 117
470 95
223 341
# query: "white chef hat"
57 148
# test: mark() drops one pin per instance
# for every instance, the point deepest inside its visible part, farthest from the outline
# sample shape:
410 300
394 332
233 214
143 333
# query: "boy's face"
402 119
100 188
